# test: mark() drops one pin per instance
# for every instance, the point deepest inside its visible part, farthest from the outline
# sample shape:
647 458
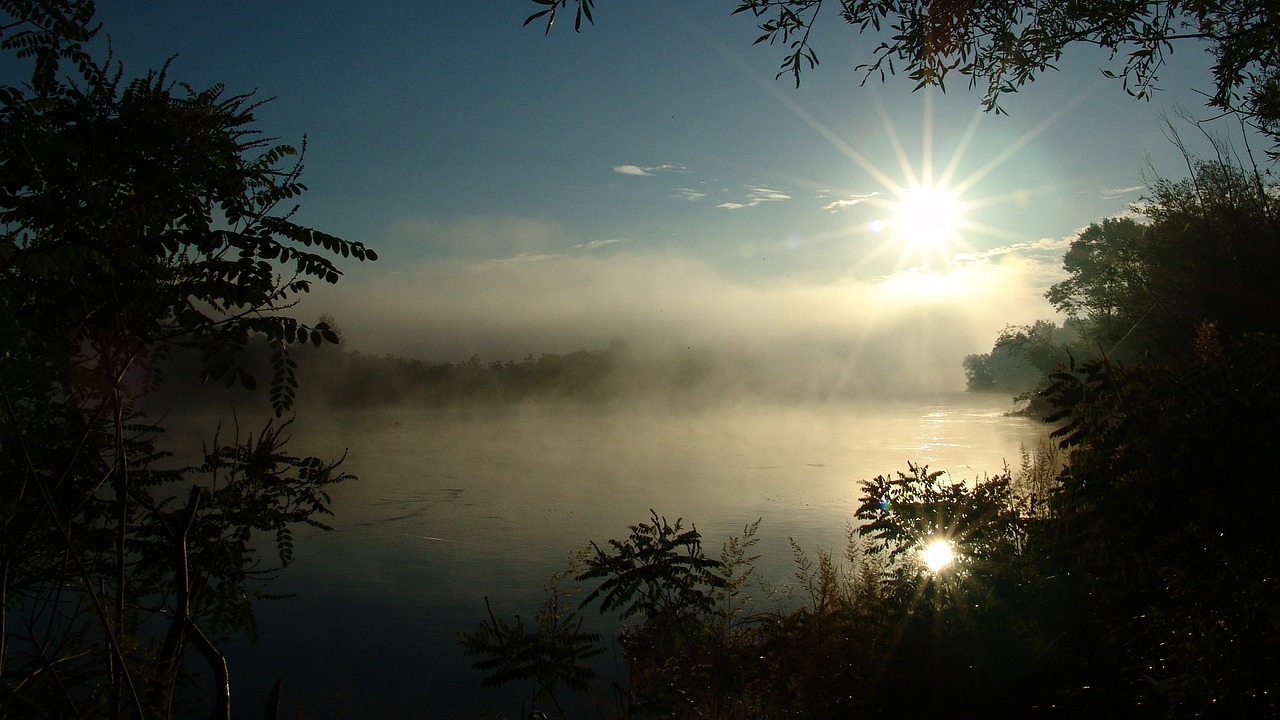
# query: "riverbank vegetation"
139 217
1189 271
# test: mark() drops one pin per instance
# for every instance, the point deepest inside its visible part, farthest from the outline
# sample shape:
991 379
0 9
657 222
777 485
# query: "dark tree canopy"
170 210
1203 262
999 47
138 217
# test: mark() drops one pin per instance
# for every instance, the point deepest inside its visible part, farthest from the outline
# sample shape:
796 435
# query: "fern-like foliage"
660 570
552 654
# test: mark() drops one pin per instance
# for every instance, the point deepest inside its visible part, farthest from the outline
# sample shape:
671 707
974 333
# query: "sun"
926 219
920 211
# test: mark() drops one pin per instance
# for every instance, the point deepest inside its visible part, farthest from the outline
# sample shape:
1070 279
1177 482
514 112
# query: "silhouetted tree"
1207 258
1002 46
1108 280
137 217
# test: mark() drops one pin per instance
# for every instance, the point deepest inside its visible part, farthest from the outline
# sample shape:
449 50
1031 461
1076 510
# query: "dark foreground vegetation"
138 218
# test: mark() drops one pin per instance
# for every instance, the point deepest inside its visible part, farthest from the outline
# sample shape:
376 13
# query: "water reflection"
452 506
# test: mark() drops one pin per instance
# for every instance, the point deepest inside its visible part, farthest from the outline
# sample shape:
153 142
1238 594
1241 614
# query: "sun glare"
937 555
927 218
925 215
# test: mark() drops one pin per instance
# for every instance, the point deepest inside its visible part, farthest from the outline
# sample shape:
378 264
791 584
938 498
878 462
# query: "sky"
650 180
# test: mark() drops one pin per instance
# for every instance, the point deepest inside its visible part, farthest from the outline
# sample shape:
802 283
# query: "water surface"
455 505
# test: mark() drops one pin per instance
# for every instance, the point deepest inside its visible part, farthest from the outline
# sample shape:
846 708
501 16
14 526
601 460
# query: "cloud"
1117 192
525 258
645 171
836 205
476 237
630 170
1053 246
540 257
1040 260
756 196
501 239
766 195
596 244
691 195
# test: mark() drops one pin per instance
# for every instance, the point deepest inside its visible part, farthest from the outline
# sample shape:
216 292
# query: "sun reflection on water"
937 555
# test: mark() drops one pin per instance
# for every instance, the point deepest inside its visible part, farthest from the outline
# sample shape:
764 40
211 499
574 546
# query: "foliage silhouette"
1181 583
1196 275
1000 47
1206 256
552 655
138 218
659 571
862 639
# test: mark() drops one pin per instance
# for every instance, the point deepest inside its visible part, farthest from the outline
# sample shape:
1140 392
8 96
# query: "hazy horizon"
649 179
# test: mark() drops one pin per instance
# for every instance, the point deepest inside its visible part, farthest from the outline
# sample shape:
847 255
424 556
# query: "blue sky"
649 179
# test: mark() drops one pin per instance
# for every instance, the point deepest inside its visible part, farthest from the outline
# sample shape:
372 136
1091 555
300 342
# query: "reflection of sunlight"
937 555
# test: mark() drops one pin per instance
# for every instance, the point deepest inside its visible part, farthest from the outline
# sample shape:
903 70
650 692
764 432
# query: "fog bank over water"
905 331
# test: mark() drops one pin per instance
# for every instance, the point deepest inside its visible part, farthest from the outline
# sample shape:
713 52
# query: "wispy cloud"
649 170
528 257
596 243
691 195
1119 192
520 258
478 237
501 239
837 205
1054 245
1041 259
765 194
756 196
630 170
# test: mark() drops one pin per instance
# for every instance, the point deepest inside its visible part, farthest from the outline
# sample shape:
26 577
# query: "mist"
902 332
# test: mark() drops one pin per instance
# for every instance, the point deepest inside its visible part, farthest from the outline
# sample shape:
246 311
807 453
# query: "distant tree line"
339 378
344 378
354 379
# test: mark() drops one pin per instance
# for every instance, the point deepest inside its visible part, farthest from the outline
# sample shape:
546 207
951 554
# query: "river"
455 505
